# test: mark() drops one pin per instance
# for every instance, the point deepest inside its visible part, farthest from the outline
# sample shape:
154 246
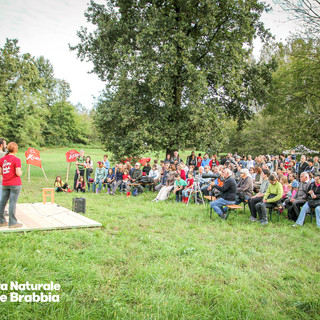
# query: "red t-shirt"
125 177
9 163
199 160
190 182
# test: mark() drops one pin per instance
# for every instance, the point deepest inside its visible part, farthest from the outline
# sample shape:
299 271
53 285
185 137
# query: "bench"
209 199
275 209
231 207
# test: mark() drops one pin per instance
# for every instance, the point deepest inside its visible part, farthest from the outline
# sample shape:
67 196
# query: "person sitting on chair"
165 190
313 201
271 198
259 196
244 187
228 194
295 203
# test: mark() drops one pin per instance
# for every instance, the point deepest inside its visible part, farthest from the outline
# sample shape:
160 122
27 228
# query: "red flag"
71 155
33 157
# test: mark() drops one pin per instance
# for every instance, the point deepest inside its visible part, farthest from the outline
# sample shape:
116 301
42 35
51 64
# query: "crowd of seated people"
264 181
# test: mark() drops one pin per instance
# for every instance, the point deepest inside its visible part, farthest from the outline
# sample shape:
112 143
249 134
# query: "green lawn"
160 260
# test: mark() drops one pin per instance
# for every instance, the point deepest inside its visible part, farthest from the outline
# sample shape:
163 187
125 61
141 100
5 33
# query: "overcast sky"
45 27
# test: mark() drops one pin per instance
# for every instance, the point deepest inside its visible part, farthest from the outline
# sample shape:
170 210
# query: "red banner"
143 161
33 157
71 155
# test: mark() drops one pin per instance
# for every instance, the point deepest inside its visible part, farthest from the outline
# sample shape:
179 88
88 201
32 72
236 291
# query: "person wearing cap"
244 186
294 204
100 177
313 201
136 174
271 198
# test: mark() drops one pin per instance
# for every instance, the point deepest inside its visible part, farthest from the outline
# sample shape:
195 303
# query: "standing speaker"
79 205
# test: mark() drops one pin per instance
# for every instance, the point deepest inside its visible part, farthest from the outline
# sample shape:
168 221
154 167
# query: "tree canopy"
33 103
174 69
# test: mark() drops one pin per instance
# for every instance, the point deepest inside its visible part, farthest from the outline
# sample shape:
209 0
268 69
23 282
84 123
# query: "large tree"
174 69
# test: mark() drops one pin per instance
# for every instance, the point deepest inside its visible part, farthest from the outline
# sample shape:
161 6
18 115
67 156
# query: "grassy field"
160 260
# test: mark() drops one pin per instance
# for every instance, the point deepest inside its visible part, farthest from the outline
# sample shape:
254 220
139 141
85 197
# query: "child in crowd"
285 186
199 160
106 163
125 180
81 185
99 177
59 186
110 179
189 188
178 186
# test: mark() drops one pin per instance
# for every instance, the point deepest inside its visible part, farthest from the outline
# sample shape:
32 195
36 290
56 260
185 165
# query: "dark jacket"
245 185
302 192
136 173
229 189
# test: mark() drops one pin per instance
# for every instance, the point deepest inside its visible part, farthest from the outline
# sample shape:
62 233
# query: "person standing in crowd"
205 161
80 168
10 169
106 162
316 164
302 166
3 145
89 169
176 158
228 193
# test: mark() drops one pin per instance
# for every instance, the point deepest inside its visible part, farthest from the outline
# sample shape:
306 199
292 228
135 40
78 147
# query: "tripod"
196 189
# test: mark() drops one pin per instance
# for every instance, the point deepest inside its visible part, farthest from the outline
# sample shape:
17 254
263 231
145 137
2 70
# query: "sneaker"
223 216
296 225
264 223
17 225
3 224
253 219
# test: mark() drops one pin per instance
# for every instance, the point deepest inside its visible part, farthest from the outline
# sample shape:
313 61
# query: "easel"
195 190
28 172
68 170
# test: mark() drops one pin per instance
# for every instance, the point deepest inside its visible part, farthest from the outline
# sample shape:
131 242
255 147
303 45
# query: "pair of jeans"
252 205
303 213
76 177
219 205
262 207
99 182
9 193
294 208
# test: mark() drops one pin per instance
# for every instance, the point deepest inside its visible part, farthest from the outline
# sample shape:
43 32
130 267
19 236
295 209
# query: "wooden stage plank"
37 216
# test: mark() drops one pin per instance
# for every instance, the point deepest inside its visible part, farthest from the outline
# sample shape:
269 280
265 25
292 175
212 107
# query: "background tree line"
181 74
34 105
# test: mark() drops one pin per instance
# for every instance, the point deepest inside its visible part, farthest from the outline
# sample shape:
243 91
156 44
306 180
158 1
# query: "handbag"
313 203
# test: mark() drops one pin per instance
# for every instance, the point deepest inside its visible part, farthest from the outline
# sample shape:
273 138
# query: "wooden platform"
39 216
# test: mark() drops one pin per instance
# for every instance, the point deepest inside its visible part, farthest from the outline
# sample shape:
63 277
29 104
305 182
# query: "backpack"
135 192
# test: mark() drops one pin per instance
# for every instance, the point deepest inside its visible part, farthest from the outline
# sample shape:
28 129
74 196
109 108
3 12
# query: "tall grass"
160 261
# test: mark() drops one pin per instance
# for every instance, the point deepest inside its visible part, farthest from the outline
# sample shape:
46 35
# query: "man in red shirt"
10 169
